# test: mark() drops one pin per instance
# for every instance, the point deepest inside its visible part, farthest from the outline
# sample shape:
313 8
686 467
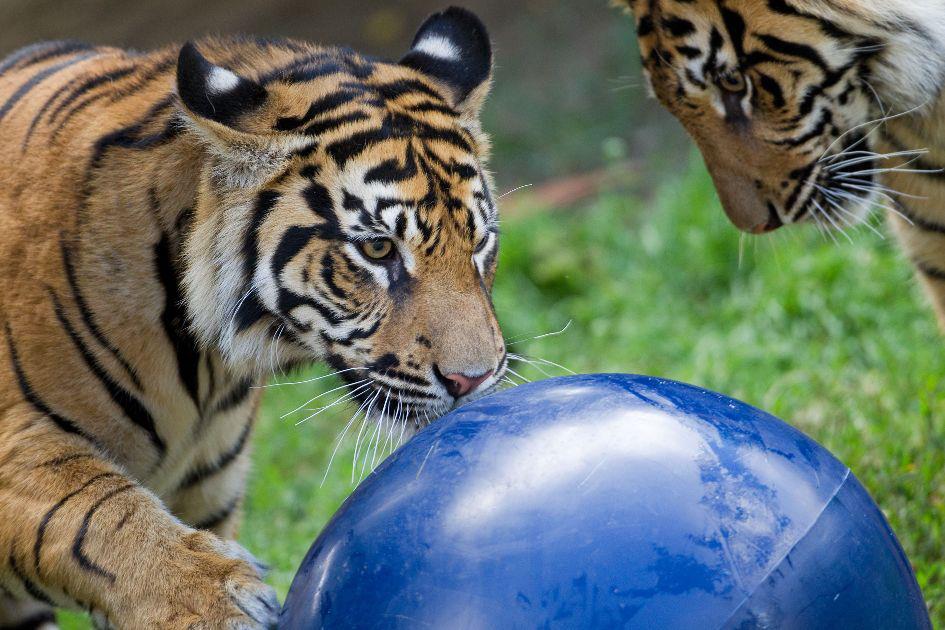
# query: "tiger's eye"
733 81
378 249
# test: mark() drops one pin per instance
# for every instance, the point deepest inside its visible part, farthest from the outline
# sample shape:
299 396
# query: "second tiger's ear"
453 48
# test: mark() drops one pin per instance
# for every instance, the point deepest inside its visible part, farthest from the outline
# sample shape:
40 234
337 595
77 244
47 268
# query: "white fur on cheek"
439 47
221 80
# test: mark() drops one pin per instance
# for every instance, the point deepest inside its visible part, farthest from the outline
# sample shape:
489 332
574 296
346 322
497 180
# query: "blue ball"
607 501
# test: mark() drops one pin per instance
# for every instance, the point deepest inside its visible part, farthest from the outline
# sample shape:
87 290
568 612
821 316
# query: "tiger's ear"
213 92
231 114
453 47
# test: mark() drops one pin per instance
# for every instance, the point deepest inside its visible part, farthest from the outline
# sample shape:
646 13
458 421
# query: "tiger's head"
782 96
345 213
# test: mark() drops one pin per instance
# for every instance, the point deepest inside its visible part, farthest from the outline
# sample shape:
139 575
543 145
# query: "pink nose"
460 384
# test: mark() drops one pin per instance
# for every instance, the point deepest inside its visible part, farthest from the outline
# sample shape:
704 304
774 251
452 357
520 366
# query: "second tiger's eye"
733 81
378 249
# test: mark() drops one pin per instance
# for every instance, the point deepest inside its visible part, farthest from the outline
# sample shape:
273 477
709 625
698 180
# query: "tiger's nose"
459 385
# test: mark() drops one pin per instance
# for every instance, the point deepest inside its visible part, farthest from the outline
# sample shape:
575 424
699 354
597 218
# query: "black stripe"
305 69
43 51
396 89
265 203
28 585
35 80
932 272
772 87
826 119
138 83
828 27
357 333
735 25
234 397
392 171
328 277
289 301
65 459
440 108
793 49
250 311
331 124
30 395
33 622
174 320
218 517
345 149
88 317
130 137
42 110
128 403
677 26
86 86
75 110
205 471
918 222
84 561
319 107
293 241
44 523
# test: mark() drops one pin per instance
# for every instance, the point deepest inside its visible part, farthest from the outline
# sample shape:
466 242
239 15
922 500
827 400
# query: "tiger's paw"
208 583
238 596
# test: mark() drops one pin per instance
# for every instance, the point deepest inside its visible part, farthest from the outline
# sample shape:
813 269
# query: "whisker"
340 440
833 166
877 122
542 336
364 423
325 393
505 194
516 374
342 399
379 427
272 349
308 380
832 222
537 362
879 188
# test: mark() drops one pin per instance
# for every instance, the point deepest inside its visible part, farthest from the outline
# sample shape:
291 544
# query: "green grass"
836 339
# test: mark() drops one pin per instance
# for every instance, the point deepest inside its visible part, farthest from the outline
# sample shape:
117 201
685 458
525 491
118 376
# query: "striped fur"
173 226
782 97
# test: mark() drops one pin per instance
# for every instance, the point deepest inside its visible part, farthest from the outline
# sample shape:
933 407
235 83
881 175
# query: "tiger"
176 224
811 111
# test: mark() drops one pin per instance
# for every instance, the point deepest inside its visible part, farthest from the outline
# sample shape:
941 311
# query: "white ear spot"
439 47
221 80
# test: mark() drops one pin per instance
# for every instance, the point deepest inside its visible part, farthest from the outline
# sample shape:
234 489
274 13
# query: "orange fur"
158 262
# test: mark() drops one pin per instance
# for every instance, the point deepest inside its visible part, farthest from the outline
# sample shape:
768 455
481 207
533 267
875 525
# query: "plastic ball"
607 501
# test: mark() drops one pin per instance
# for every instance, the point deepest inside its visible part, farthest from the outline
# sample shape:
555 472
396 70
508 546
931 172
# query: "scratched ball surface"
607 501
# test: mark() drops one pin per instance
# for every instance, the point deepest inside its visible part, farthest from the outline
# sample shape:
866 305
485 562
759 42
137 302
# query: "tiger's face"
778 96
347 217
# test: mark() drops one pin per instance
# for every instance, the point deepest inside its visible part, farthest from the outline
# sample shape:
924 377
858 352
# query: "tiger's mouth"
400 399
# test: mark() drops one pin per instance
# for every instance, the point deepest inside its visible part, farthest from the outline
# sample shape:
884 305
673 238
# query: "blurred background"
565 68
612 236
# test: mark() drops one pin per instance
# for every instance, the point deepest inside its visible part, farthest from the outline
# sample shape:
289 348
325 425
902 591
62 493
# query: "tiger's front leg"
75 531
